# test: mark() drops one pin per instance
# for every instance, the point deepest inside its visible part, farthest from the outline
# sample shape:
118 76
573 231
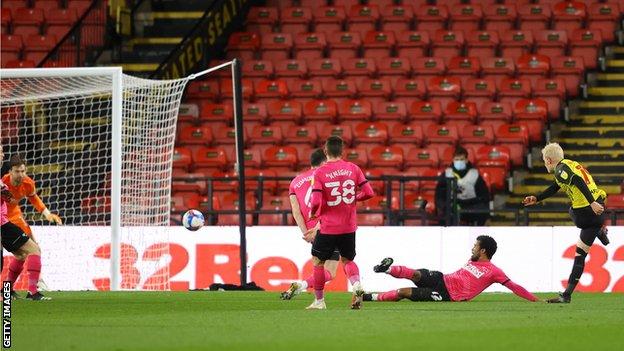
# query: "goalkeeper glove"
51 217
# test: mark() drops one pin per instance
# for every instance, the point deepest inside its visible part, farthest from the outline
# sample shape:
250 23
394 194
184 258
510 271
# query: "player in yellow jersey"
587 210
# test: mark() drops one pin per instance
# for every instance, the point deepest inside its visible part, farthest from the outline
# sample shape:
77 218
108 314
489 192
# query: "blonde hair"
553 151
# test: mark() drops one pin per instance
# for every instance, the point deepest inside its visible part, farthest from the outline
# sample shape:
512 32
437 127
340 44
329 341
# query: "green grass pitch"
261 321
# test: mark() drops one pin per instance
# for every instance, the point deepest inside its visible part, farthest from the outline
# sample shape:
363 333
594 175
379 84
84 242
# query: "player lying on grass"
462 285
300 194
17 242
587 209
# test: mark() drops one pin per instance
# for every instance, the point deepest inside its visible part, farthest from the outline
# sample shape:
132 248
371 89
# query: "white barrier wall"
539 258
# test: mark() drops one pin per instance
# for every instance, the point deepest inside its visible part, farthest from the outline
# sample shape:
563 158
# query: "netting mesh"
62 128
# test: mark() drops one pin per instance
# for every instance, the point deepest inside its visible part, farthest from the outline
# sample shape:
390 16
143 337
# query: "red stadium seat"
210 158
285 110
408 90
370 133
378 44
253 158
413 43
390 111
303 155
325 68
262 19
301 135
380 203
569 15
476 135
181 201
423 158
276 46
19 64
406 135
551 90
493 156
515 43
254 112
378 185
211 112
328 19
243 45
396 18
188 113
442 134
284 157
500 17
276 203
431 18
12 46
447 44
182 158
257 69
296 20
534 16
344 45
203 89
271 90
516 138
230 202
361 67
394 67
195 135
428 67
497 177
96 204
533 113
320 110
571 69
46 5
482 44
343 131
466 17
464 68
419 201
184 181
460 114
362 18
604 17
533 67
37 47
309 46
27 22
426 111
375 90
6 19
225 88
355 109
357 155
498 68
59 21
370 219
252 181
305 90
551 42
428 185
80 6
386 157
444 89
339 88
587 44
13 5
512 90
266 135
615 201
479 90
226 136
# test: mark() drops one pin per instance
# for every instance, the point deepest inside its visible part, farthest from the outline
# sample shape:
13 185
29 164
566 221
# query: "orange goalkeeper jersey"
26 189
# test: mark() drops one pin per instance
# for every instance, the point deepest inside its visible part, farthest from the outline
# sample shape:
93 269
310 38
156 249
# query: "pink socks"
352 272
401 272
319 281
15 268
33 266
310 279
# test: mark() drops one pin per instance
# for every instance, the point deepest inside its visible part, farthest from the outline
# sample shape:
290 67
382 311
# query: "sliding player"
300 192
463 285
333 201
17 242
20 185
587 209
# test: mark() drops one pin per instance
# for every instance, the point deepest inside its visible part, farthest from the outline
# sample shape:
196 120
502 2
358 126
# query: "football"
193 220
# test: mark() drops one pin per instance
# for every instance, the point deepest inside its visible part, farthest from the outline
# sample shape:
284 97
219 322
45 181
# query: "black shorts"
325 246
585 217
430 287
13 237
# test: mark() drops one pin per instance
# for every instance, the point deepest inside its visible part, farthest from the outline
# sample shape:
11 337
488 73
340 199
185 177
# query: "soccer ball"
193 220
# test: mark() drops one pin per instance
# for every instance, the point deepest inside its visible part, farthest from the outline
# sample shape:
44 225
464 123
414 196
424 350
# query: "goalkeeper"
587 209
22 186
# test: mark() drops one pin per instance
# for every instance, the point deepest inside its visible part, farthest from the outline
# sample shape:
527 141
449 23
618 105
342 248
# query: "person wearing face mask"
472 192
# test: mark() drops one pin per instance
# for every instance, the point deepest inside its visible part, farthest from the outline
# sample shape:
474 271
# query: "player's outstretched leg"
384 266
400 272
577 267
602 235
392 295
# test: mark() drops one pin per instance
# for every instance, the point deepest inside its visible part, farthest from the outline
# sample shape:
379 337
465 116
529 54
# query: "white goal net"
87 160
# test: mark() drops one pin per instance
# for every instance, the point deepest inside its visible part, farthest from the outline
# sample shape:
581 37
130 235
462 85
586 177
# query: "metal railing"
84 41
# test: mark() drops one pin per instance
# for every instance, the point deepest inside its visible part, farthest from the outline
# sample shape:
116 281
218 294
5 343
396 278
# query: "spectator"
472 192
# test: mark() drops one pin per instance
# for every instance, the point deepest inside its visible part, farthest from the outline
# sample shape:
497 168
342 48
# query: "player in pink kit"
300 194
462 285
336 188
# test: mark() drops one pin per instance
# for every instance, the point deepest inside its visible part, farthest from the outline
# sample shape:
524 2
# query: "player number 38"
344 193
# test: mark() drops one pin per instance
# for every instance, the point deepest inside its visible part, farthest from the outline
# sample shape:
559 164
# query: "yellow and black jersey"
566 173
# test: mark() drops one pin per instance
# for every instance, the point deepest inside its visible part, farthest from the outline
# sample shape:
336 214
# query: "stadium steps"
593 135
